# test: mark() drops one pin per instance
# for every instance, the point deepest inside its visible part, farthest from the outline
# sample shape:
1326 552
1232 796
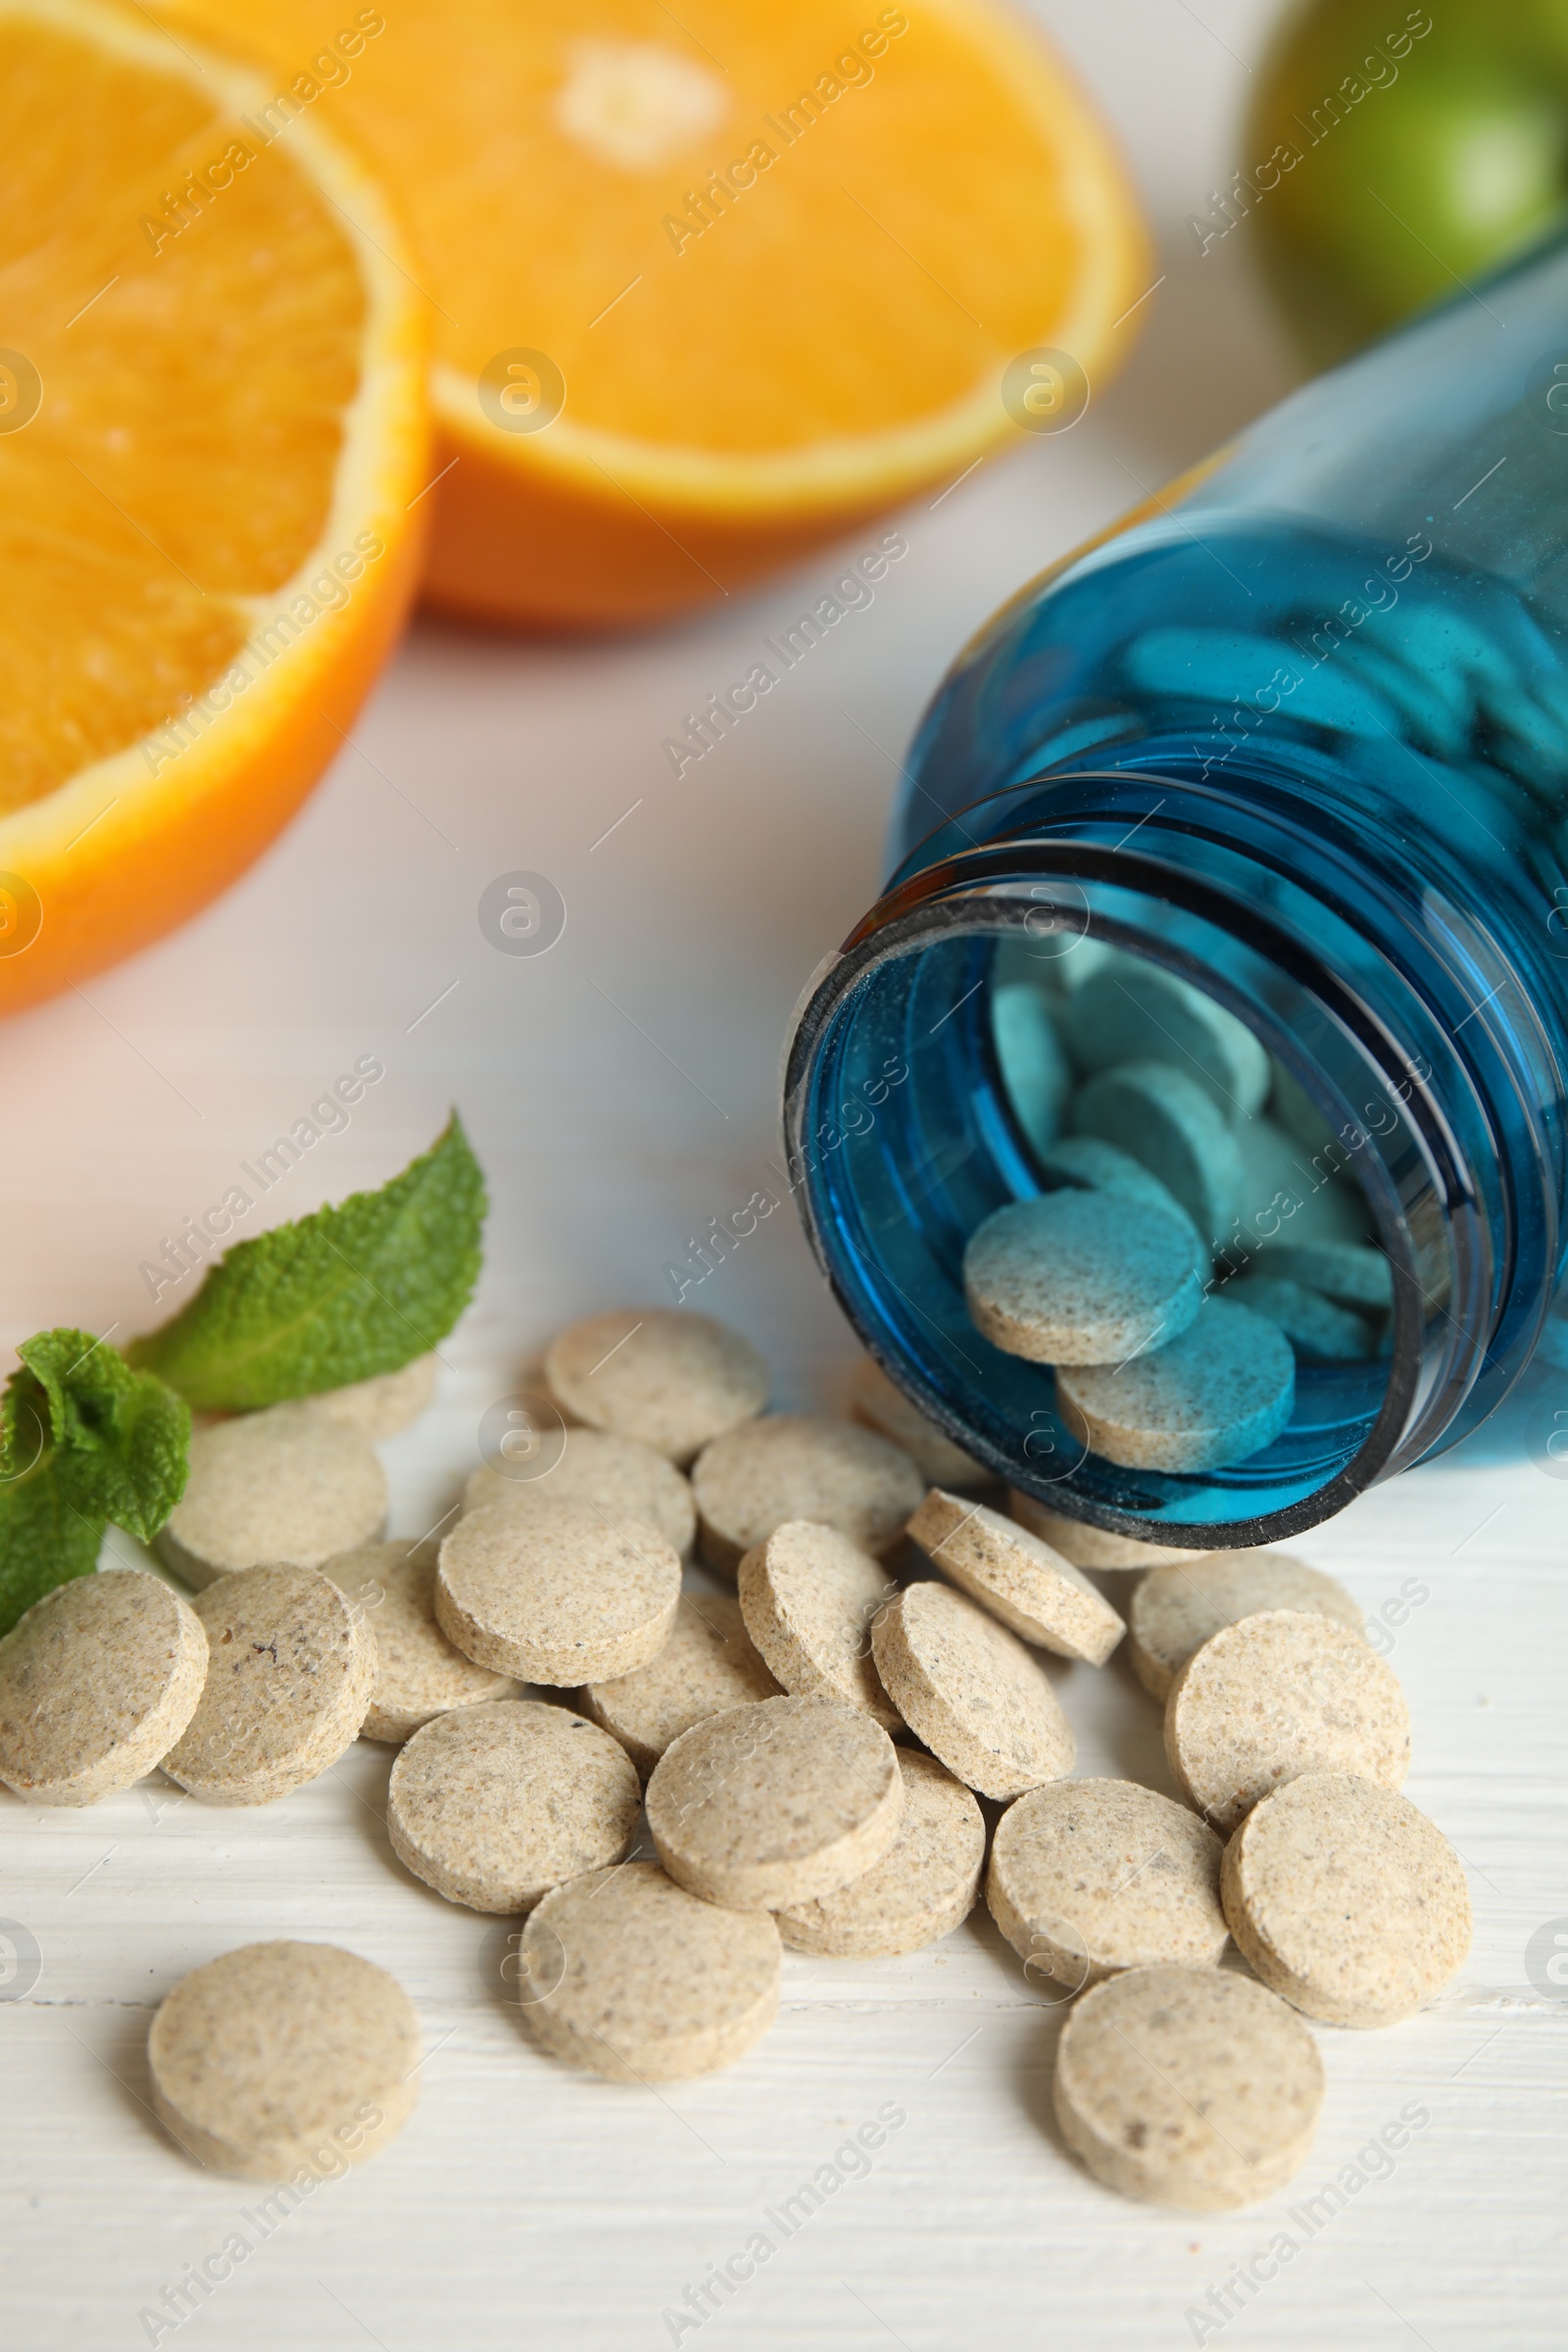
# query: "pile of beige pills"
1193 1246
836 1737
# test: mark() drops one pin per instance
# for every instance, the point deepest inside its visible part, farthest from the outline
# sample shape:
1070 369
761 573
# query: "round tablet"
626 1479
1347 1899
381 1407
1089 1547
97 1682
1131 1008
1189 2087
971 1691
1221 1391
708 1664
808 1596
292 1665
769 1806
646 1983
1087 1877
1080 1278
491 1805
553 1595
280 2056
1017 1577
923 1887
1176 1608
417 1672
1276 1695
283 1486
1309 1320
1164 1118
1083 1159
672 1379
798 1466
877 1403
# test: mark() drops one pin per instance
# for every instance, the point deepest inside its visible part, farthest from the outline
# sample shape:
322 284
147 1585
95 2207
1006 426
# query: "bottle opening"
977 1053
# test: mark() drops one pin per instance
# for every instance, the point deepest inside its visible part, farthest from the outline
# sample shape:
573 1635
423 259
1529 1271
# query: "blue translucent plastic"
1298 731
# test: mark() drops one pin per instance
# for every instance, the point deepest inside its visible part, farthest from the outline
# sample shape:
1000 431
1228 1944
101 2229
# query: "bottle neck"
1409 1026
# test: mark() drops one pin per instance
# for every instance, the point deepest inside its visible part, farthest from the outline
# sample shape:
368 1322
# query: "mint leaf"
339 1296
83 1439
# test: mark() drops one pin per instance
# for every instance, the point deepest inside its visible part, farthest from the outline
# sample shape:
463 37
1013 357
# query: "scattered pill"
1346 1900
379 1409
1100 1167
1273 1697
97 1682
1188 2087
1018 1577
417 1672
283 2057
674 1379
1089 1547
554 1594
923 1887
626 1974
808 1596
1080 1278
1087 1877
971 1691
1134 1011
1311 1322
708 1664
1180 1605
292 1665
623 1477
280 1486
1350 1275
1220 1392
492 1805
885 1409
798 1466
771 1806
1033 1063
1166 1119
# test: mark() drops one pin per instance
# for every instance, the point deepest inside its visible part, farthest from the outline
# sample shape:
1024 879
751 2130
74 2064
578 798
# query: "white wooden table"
620 1091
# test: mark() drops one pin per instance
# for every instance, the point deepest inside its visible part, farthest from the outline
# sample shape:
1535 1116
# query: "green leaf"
83 1439
339 1296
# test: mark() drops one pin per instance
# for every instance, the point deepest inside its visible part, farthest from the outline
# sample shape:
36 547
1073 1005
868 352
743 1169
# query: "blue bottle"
1298 734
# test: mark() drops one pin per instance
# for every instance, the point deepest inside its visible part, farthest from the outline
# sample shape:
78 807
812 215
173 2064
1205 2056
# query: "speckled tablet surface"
292 1665
286 1486
971 1691
97 1682
1188 2087
1018 1577
1177 1607
1089 1547
1347 1899
623 1477
800 1466
673 1379
1080 1278
1219 1393
1087 1877
1166 1119
923 1887
381 1407
1276 1695
771 1806
283 2056
626 1974
808 1596
708 1664
554 1594
419 1673
494 1804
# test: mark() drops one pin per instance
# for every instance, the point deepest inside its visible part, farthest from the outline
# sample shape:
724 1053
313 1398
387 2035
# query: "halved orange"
712 283
212 432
